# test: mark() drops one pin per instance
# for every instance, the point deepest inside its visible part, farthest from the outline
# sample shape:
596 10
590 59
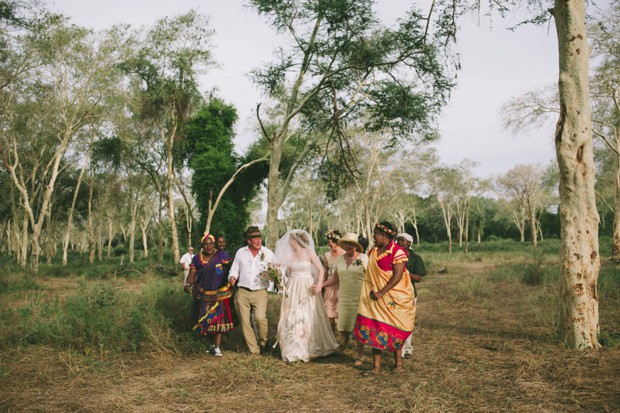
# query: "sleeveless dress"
330 294
304 331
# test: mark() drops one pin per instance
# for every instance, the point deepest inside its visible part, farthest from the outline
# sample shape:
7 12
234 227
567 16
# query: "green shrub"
102 316
119 250
609 282
474 286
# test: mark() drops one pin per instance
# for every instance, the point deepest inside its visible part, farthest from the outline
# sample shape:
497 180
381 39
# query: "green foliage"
17 281
473 286
535 272
212 157
101 316
609 282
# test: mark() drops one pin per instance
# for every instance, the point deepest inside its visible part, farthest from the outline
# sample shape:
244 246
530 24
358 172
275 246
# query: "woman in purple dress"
208 280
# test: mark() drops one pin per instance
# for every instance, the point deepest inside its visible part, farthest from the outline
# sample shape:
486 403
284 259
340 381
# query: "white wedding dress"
304 331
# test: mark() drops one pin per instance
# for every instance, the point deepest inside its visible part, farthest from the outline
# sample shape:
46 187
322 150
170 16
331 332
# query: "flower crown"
386 229
333 235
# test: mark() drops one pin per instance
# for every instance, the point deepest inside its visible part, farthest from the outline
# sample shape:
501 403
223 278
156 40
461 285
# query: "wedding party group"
352 291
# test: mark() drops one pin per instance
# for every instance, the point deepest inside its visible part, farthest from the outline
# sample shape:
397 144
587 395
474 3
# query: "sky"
497 65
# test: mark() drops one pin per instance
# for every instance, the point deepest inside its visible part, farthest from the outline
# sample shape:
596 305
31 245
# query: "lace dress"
304 331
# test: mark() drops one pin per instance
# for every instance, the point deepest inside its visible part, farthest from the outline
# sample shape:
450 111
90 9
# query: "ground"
479 346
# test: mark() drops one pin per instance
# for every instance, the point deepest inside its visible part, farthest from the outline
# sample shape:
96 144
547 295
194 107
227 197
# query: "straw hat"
352 239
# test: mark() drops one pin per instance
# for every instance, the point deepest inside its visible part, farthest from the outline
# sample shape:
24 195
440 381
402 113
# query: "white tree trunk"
65 245
91 227
171 213
579 319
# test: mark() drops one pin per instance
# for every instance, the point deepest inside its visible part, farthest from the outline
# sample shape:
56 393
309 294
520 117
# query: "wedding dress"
304 331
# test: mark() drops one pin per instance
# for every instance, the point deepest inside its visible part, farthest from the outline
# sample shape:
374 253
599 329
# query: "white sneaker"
217 352
210 349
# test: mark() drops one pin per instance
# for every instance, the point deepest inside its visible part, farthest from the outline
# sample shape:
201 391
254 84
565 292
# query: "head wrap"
205 236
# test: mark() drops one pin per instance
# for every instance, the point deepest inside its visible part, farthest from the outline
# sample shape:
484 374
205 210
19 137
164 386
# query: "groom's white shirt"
246 268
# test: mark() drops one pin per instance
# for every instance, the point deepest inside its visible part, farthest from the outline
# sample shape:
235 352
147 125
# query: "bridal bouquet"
272 273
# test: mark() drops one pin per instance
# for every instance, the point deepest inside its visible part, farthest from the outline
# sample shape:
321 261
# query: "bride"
304 331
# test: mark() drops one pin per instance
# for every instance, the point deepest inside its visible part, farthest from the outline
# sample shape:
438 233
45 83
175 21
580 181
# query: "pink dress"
330 294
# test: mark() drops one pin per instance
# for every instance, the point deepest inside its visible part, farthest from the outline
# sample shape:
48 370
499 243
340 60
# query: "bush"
119 250
103 317
475 286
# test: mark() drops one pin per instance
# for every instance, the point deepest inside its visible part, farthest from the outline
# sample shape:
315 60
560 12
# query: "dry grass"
484 351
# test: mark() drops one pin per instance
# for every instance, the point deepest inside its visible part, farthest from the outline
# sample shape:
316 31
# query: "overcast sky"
497 65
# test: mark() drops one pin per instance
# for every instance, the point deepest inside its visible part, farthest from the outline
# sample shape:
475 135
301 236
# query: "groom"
251 296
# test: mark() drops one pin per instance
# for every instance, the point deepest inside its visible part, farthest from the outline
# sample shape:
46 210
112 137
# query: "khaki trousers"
246 301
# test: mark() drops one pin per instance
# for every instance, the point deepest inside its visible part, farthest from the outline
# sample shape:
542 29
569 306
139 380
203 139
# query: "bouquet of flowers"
272 273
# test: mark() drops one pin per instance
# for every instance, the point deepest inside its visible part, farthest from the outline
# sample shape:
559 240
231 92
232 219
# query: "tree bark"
274 197
171 214
91 229
579 318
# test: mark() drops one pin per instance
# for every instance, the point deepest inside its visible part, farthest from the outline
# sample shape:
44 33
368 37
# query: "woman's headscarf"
205 236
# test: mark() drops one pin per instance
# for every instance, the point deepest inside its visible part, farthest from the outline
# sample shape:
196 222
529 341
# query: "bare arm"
397 274
314 259
333 281
190 280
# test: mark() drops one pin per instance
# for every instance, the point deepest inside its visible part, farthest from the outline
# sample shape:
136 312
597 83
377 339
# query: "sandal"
398 369
359 361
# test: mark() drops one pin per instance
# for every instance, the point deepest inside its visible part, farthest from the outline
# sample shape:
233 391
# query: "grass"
485 341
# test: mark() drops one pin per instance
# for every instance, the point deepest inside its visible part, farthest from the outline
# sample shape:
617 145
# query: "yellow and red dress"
386 323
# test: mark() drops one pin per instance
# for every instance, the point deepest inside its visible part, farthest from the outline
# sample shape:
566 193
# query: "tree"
445 182
605 36
223 182
579 321
342 69
521 190
63 93
164 71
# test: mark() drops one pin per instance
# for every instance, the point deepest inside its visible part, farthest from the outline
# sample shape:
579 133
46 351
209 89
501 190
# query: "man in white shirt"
185 261
251 295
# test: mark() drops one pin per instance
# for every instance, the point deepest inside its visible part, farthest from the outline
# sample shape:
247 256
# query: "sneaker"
217 352
210 349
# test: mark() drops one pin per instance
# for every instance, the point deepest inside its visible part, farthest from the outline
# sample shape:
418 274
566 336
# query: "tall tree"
579 318
165 69
579 321
223 182
65 93
522 188
343 67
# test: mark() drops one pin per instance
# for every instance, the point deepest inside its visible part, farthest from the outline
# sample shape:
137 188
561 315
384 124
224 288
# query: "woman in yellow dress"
386 312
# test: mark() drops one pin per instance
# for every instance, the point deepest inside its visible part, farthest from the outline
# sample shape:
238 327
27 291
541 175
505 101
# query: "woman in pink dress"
330 294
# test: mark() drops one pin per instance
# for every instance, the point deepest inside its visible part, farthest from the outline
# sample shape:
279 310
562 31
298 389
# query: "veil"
285 254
